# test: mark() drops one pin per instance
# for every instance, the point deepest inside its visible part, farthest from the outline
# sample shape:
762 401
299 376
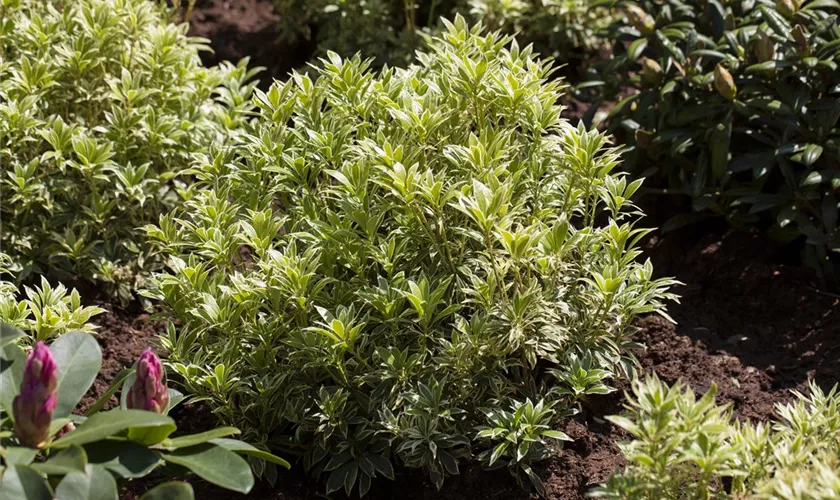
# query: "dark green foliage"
737 107
388 31
567 30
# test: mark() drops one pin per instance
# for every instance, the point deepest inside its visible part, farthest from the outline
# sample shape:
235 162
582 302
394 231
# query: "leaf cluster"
46 311
102 103
684 447
385 262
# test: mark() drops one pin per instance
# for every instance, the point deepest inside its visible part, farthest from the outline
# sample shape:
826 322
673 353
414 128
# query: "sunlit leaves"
104 105
682 445
377 260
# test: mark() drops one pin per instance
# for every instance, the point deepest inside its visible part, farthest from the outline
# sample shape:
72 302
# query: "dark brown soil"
247 28
123 336
765 325
752 324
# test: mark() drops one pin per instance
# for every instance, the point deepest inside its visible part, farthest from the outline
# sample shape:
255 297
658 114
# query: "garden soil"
248 28
749 322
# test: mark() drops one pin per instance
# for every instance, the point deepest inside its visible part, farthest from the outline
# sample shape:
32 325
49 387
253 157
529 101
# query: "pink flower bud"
68 427
149 392
33 407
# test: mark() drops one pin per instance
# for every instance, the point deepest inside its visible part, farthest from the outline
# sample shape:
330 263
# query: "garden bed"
387 330
747 321
752 320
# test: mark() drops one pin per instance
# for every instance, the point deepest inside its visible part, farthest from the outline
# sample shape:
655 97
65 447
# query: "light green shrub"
691 448
102 103
46 311
417 266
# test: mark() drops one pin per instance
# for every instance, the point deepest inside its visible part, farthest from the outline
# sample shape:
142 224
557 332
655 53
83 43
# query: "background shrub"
389 31
736 107
685 447
409 267
567 30
101 105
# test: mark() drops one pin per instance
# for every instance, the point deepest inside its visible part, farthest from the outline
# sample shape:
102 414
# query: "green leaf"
95 483
72 459
498 451
127 383
175 398
57 424
637 48
19 455
124 458
340 476
150 435
811 154
112 389
20 482
194 439
557 435
174 490
767 65
382 465
9 334
216 465
107 424
625 423
711 54
79 358
671 47
821 4
12 360
244 448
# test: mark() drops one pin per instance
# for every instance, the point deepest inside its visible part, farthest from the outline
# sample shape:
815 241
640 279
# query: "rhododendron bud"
149 392
787 8
68 427
800 37
651 73
765 49
640 20
33 407
729 22
724 83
